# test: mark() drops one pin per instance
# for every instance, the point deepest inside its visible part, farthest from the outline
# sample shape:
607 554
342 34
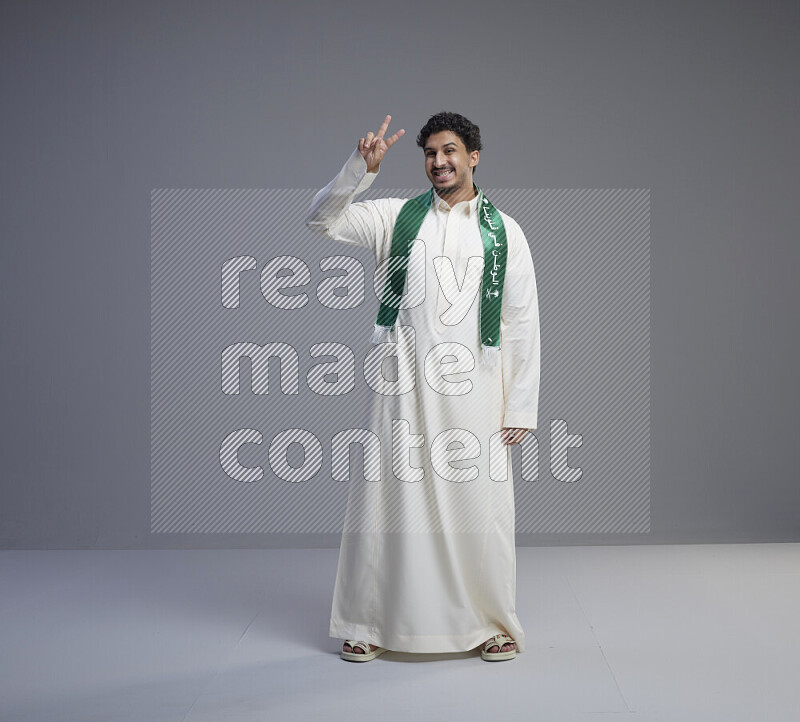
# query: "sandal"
498 641
356 657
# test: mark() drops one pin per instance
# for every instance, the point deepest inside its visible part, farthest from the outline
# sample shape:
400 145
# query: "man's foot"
499 647
507 647
357 650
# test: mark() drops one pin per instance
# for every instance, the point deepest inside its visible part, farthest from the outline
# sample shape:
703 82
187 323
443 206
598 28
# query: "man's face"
447 163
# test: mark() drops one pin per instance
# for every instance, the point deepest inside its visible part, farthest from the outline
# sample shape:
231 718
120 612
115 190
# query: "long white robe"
427 559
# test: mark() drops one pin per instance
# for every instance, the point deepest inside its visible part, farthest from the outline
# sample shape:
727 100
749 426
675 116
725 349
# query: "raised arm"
333 212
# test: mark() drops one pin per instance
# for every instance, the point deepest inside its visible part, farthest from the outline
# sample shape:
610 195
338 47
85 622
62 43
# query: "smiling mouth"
442 174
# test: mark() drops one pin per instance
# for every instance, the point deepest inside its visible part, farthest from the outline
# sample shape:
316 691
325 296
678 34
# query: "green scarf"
495 252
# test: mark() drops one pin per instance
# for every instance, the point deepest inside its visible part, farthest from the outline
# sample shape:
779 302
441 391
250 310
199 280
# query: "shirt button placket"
441 301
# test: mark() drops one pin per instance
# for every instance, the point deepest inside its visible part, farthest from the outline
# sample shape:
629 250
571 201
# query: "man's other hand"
512 436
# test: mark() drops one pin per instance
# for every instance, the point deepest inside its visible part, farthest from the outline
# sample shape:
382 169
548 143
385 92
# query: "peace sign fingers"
382 132
373 147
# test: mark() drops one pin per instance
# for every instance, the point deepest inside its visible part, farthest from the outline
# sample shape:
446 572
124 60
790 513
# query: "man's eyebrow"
427 147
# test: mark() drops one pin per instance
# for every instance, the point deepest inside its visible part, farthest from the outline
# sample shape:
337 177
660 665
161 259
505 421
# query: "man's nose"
441 160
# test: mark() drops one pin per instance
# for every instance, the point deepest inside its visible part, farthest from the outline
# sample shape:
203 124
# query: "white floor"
700 632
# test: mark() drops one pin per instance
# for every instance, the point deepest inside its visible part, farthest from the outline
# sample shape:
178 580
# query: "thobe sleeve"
366 223
519 334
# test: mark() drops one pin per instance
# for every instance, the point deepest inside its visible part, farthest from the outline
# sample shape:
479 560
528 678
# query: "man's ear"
474 158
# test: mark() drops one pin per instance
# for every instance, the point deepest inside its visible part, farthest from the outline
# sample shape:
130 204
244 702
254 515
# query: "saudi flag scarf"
495 252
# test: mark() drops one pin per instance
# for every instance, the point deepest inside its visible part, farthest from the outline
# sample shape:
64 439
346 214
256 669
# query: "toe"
505 647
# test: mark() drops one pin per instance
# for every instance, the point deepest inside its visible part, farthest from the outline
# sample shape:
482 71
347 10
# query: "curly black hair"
465 129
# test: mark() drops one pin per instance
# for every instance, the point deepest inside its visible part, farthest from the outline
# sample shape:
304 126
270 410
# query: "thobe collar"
466 207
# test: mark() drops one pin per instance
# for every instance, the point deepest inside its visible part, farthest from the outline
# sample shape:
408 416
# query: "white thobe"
427 559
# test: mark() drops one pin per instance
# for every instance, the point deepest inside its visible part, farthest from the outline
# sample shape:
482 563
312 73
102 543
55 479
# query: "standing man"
427 560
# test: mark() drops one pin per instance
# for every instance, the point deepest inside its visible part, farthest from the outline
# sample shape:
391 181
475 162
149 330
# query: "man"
427 560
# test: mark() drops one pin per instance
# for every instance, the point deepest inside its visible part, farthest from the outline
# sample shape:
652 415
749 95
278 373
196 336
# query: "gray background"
103 102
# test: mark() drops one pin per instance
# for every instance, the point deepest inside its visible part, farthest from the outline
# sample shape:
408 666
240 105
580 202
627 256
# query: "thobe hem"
422 643
520 420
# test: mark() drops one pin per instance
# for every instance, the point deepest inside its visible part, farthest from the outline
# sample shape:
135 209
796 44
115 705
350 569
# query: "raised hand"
373 147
